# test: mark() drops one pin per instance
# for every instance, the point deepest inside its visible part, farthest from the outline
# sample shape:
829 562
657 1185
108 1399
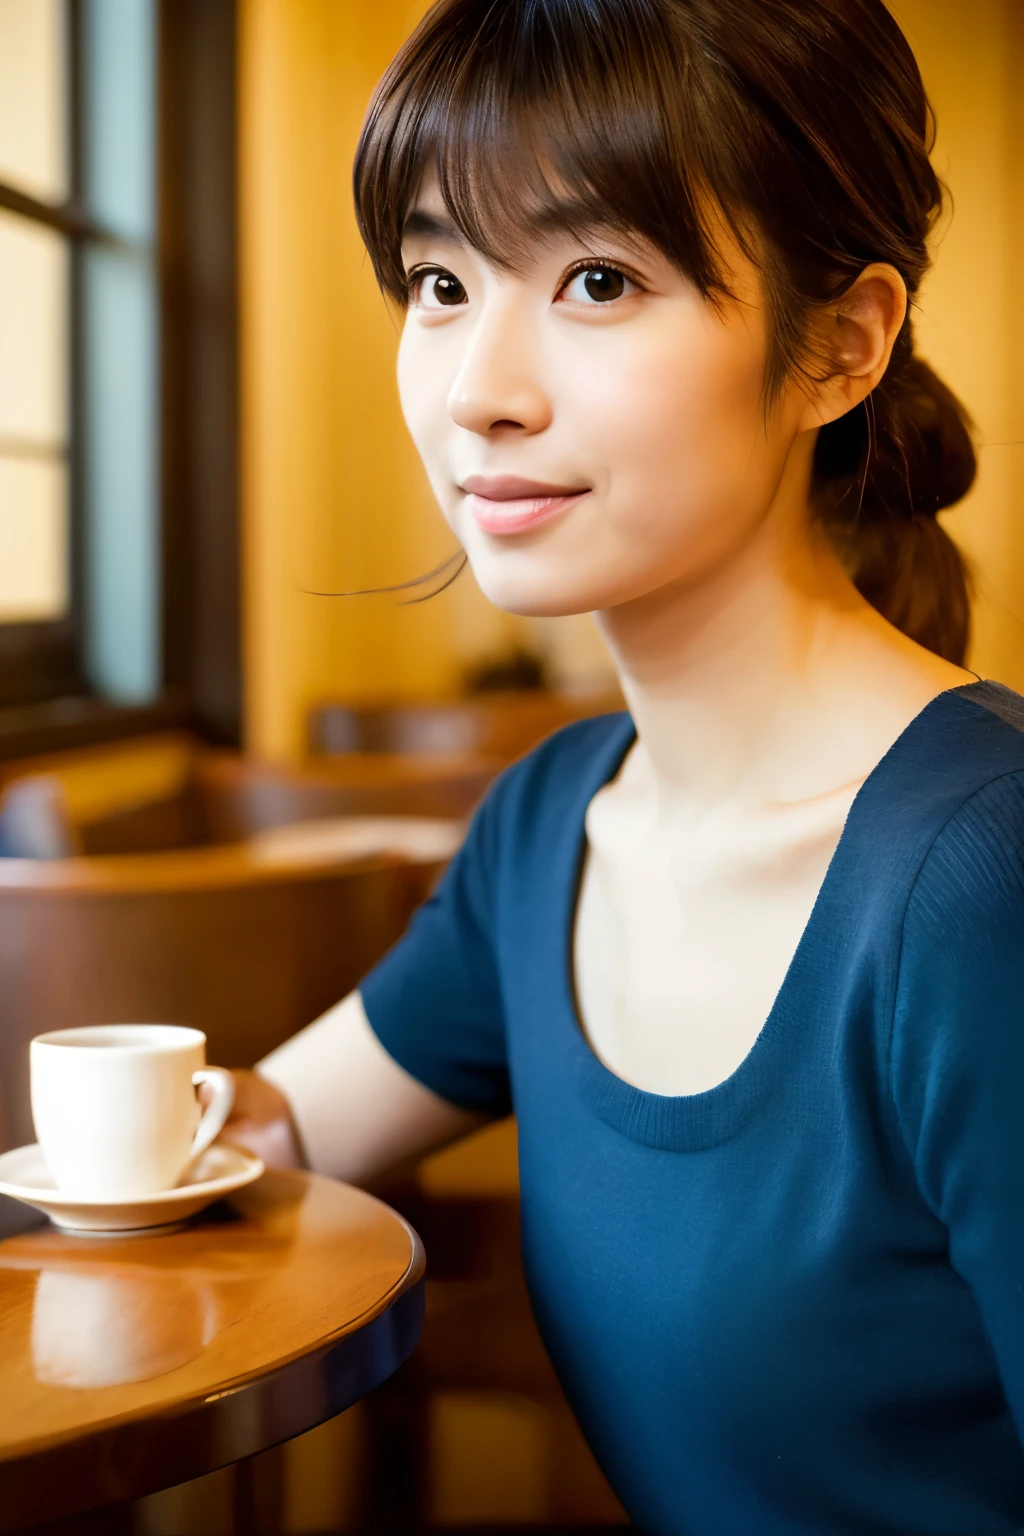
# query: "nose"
497 389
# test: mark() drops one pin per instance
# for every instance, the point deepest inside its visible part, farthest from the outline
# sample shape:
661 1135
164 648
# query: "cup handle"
222 1096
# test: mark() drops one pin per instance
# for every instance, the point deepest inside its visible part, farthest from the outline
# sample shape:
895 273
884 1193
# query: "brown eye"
602 284
440 290
597 285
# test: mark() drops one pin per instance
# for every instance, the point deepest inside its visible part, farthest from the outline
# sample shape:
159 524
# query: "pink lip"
504 504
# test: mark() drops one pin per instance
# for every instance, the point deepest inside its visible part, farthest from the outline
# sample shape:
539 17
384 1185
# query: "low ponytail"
882 474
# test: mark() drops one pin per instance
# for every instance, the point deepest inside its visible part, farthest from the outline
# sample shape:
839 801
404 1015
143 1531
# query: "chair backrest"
240 797
173 794
244 943
186 908
499 725
447 730
115 797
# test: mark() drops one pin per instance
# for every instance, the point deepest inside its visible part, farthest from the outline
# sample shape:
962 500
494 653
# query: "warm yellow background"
333 496
972 320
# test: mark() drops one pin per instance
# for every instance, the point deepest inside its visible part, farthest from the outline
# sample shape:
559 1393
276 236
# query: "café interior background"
330 496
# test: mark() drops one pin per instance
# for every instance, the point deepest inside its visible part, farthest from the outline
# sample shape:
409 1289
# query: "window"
117 350
36 601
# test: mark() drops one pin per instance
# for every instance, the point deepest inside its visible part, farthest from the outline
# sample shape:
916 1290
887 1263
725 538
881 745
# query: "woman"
747 962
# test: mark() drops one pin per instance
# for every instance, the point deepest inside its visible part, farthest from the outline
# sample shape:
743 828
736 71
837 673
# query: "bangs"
537 117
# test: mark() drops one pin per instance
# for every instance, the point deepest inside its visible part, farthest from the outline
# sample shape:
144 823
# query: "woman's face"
592 427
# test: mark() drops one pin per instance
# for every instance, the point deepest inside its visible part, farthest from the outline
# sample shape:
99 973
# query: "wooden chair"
183 904
240 796
169 792
245 946
500 725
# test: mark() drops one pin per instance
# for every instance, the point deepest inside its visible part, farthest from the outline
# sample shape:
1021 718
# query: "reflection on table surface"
115 1326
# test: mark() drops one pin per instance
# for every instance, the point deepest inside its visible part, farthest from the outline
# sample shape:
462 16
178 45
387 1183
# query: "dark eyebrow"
566 215
430 225
569 215
582 218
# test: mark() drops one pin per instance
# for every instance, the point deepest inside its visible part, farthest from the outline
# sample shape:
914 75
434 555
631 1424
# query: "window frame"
45 700
39 659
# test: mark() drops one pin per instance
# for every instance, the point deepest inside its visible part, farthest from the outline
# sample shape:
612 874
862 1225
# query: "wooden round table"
128 1365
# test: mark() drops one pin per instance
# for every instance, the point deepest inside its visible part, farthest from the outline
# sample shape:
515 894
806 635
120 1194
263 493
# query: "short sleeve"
958 1056
434 1001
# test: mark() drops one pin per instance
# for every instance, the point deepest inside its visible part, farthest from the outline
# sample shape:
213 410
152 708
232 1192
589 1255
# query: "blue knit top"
793 1303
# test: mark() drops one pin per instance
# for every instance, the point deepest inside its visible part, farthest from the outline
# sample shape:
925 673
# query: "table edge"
112 1462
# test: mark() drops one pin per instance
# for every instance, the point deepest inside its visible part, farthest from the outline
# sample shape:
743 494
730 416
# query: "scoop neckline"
699 1121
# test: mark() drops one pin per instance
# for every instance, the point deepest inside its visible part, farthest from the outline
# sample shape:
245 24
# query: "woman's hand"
261 1120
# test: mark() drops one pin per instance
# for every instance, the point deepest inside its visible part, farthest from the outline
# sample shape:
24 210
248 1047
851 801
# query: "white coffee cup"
115 1107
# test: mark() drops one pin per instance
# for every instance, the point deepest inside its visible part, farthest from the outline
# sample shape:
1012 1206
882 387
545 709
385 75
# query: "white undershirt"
685 928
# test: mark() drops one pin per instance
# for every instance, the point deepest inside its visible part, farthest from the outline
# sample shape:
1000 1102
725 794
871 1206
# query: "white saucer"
24 1176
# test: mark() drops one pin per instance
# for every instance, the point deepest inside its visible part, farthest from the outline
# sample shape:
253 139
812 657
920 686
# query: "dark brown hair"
805 121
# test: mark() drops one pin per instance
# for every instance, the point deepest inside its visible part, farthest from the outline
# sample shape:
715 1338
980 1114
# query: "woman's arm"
333 1100
337 1100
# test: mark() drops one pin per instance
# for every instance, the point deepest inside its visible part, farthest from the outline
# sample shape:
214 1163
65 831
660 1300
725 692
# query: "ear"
856 335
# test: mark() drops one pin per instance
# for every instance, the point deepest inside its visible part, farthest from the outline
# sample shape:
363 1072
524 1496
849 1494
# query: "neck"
760 679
